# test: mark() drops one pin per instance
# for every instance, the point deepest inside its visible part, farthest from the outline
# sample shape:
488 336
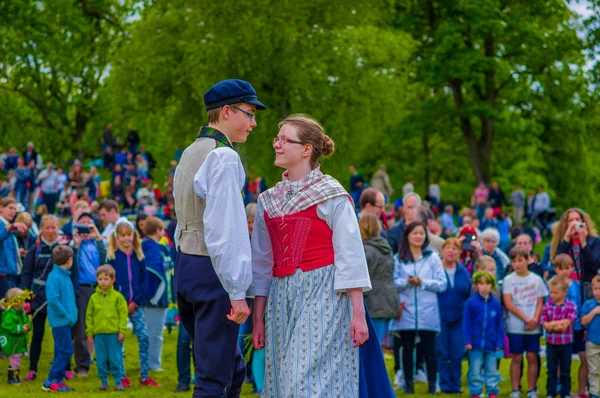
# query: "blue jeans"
108 357
450 355
63 351
155 323
559 356
184 351
140 331
381 326
487 360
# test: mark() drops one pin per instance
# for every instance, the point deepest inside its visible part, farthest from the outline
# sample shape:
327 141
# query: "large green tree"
345 66
54 57
491 59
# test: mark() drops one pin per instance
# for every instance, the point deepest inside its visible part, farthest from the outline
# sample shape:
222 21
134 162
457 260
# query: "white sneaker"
515 394
532 394
421 377
399 380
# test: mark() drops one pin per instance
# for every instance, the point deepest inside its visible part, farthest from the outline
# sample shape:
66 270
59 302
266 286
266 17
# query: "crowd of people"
430 281
471 286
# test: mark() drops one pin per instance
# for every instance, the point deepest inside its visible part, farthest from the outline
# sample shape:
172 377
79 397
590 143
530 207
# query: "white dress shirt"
220 181
350 263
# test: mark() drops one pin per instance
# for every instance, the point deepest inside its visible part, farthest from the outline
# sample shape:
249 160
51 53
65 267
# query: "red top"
299 240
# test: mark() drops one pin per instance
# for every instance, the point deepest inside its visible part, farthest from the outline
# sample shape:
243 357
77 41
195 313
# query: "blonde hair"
483 261
25 218
113 246
454 242
311 132
559 282
369 226
46 218
563 224
153 225
13 292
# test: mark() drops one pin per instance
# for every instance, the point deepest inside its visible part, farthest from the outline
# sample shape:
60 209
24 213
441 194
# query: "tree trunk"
426 153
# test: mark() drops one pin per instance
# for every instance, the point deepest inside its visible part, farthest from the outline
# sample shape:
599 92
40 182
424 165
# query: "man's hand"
121 336
76 239
22 228
468 347
23 252
239 311
91 339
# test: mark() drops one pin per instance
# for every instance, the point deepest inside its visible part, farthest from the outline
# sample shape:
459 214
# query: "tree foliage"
455 91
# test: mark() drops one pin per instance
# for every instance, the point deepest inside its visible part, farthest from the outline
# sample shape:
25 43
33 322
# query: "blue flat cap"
231 91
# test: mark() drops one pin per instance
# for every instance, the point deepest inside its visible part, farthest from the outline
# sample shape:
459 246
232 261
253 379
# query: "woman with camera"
576 235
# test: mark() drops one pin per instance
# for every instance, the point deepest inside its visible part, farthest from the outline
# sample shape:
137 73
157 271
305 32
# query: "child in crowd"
125 255
106 324
483 334
564 266
590 318
13 331
523 294
158 262
557 319
487 264
62 316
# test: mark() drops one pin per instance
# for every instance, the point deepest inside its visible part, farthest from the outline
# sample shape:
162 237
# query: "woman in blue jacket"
419 277
452 301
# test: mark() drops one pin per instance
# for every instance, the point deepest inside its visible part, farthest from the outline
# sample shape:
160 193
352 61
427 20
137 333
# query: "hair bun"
329 145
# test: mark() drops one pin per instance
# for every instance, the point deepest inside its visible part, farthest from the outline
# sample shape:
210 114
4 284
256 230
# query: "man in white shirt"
109 213
214 267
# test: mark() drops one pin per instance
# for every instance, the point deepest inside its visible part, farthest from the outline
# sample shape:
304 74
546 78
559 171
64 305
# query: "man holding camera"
89 253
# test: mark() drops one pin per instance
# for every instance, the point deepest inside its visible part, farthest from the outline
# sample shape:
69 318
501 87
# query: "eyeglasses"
284 140
250 115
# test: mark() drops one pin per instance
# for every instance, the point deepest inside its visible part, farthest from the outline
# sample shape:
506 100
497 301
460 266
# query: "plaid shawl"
291 197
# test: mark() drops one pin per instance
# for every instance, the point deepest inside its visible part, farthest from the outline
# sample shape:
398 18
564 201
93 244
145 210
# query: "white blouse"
349 256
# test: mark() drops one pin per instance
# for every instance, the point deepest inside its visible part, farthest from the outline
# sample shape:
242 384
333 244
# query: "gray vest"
190 207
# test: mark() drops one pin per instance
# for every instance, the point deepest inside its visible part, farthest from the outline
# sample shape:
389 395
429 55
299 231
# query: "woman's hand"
583 234
570 231
359 332
258 335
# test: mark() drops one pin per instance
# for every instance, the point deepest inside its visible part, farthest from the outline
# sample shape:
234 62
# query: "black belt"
87 284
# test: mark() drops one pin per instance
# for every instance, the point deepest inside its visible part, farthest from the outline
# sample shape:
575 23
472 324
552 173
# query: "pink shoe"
125 382
31 376
69 375
149 382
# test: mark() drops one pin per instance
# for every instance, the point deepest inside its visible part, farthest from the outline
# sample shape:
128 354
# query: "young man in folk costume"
309 261
214 259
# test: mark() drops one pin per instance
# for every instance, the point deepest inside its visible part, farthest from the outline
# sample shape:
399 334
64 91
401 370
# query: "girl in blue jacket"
125 254
483 335
452 303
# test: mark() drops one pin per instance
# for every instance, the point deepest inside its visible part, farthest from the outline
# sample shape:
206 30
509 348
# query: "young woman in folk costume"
308 260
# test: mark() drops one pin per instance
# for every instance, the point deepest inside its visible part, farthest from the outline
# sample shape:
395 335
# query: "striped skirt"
309 353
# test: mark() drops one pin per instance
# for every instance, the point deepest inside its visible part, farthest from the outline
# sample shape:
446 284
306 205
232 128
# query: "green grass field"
89 386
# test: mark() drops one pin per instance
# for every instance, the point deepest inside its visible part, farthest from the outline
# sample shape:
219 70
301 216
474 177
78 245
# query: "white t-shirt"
525 292
451 275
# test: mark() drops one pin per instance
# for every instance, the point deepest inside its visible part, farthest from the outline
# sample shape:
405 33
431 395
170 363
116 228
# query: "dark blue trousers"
374 381
184 353
203 307
63 351
451 351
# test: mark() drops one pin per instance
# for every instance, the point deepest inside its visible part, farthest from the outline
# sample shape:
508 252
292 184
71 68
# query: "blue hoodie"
452 301
60 296
482 323
9 251
130 273
158 261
